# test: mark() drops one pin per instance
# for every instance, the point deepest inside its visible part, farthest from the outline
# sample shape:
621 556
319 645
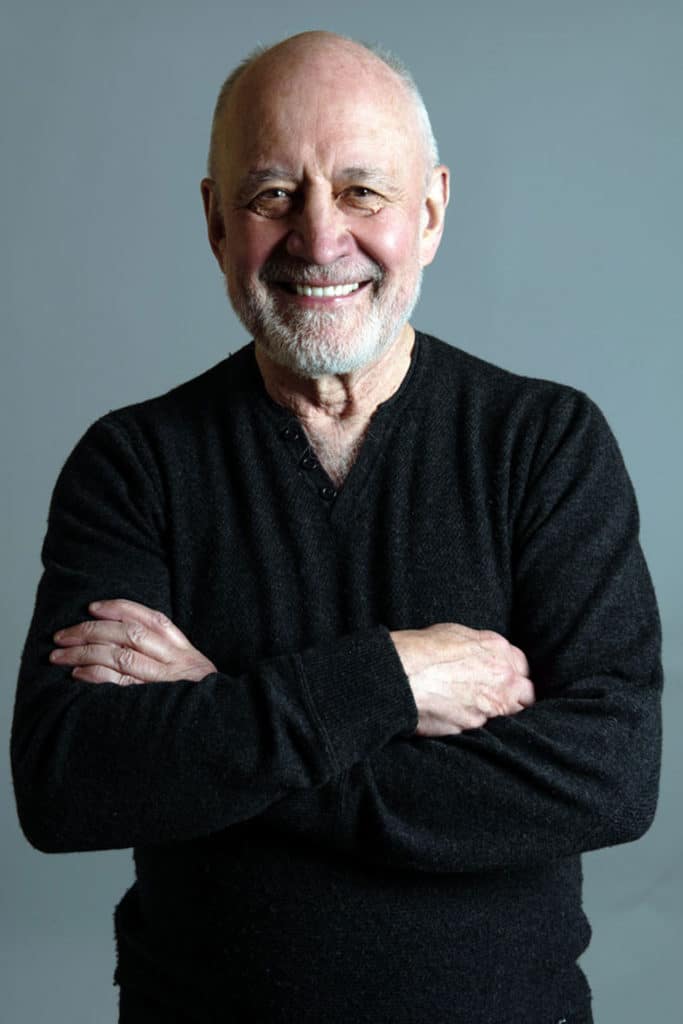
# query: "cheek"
391 241
249 244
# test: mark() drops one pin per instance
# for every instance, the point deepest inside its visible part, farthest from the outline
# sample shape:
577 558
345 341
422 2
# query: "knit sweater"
301 855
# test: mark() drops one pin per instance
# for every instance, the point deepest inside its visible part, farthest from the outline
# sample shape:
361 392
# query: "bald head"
319 56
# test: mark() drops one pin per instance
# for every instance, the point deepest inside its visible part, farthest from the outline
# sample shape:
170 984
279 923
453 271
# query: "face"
324 217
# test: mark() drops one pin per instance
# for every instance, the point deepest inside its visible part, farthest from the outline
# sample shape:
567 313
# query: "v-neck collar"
334 501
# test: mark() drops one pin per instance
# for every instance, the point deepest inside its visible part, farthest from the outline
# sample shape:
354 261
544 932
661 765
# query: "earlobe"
434 213
215 224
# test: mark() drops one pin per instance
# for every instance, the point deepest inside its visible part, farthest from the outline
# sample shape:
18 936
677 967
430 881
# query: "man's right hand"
462 677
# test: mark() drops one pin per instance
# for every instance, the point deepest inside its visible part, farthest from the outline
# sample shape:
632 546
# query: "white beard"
317 343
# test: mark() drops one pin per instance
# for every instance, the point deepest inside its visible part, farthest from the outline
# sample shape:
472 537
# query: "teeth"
326 293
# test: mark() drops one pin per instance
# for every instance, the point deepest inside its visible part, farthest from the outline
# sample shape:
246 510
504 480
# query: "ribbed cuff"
358 693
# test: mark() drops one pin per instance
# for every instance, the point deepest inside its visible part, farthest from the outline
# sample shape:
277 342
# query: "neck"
335 411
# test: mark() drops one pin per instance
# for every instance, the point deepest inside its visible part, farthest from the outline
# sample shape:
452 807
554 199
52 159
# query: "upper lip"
323 284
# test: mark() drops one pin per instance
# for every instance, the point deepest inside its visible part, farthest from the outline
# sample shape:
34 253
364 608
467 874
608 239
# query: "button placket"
290 432
294 435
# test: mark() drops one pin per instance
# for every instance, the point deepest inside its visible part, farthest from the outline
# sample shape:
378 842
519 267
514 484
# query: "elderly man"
351 636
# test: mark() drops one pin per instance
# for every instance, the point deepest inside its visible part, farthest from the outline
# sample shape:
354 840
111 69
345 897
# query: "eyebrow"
260 175
370 174
263 175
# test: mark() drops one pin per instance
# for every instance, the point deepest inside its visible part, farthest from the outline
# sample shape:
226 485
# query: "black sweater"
301 855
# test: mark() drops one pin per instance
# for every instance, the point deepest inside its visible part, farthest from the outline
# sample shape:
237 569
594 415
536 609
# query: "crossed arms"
459 677
410 749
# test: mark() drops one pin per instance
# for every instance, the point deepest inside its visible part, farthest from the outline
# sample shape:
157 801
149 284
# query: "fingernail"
95 605
55 655
59 635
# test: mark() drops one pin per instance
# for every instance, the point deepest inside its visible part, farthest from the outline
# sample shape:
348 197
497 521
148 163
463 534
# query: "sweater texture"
301 855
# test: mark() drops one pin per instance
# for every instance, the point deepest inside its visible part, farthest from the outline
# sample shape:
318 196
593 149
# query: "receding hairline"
386 57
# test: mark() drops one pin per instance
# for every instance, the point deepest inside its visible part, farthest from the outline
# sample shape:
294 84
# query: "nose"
319 231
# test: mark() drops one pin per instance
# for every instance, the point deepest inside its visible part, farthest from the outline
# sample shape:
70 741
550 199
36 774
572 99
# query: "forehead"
327 112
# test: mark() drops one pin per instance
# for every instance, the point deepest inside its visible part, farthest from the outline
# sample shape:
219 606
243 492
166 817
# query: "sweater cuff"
358 693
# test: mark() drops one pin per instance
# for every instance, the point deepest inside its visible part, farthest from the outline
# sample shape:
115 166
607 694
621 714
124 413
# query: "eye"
361 192
272 202
362 198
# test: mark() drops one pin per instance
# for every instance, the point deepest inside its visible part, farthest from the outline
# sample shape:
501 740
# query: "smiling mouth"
331 291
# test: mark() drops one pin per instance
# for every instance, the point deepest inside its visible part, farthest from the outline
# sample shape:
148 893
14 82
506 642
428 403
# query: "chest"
267 556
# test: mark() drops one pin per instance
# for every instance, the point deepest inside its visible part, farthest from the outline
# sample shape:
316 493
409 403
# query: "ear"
434 213
214 218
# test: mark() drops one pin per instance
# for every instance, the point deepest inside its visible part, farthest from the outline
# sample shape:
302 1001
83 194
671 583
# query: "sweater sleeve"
100 766
577 771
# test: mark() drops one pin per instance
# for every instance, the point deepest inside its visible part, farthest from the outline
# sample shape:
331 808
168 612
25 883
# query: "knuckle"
160 620
488 636
88 629
499 707
491 705
520 661
135 633
508 676
499 644
475 719
94 674
125 659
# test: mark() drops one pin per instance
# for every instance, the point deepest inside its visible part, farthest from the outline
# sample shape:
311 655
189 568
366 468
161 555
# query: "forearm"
571 774
561 778
578 770
105 766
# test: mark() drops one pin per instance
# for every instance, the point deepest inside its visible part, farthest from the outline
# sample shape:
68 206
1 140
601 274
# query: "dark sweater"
301 855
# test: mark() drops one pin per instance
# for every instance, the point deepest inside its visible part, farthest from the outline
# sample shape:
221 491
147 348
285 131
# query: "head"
324 201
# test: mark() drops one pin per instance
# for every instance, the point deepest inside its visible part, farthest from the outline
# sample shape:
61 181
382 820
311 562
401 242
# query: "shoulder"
145 438
527 428
192 409
194 400
462 372
498 399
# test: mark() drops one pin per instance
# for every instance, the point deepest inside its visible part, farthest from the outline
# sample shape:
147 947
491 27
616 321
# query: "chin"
319 349
316 343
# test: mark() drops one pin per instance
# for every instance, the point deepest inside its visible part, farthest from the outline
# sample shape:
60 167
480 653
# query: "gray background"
562 258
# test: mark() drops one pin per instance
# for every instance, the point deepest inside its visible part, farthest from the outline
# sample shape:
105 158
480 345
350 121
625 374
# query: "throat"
336 451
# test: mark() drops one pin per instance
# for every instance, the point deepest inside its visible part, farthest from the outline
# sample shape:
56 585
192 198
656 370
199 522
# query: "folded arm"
579 769
323 744
100 765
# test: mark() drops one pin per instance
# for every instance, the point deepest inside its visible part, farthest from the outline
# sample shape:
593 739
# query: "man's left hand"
127 643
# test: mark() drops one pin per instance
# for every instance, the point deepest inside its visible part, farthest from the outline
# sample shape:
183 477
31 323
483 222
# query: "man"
291 613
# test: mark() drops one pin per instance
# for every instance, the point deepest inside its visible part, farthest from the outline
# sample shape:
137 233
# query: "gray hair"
388 58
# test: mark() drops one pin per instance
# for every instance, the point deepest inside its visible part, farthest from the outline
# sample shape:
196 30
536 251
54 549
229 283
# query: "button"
309 462
328 493
290 433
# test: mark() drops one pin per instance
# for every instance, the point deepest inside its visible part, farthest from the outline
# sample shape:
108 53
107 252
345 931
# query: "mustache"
277 270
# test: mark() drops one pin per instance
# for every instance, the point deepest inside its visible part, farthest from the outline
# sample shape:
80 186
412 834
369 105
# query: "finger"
123 660
526 694
122 634
102 674
519 661
120 609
